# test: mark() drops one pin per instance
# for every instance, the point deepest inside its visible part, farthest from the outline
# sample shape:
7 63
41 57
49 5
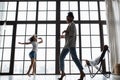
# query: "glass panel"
105 30
73 5
85 41
84 15
20 39
63 15
75 13
74 68
41 29
50 54
31 15
95 53
19 54
51 29
30 29
7 54
106 40
8 30
51 5
21 15
83 5
43 5
41 52
103 15
51 15
95 41
67 67
26 66
93 5
11 16
44 42
95 29
40 67
50 41
85 29
50 67
42 15
8 41
102 5
32 5
18 69
86 53
5 66
22 5
12 6
27 51
93 15
1 54
20 27
64 5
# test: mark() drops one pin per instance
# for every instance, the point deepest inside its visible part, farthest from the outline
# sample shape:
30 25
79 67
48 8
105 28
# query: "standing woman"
33 53
70 46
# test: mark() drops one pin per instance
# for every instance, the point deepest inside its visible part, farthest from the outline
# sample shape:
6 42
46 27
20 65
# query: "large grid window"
47 19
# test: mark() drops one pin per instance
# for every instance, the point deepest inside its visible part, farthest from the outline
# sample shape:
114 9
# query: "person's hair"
70 14
32 38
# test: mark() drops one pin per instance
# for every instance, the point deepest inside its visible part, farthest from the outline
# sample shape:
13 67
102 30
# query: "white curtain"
113 23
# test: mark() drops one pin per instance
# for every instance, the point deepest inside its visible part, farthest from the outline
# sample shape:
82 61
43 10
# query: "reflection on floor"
55 77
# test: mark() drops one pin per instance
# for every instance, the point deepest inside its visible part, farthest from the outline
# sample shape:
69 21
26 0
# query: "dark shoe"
61 77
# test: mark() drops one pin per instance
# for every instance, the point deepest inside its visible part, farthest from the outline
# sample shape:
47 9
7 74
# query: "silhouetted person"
70 46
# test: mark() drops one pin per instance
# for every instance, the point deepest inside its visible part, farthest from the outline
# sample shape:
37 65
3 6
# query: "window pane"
85 41
50 41
12 6
40 67
20 39
103 15
5 66
50 67
93 5
22 5
95 41
22 15
50 54
83 5
63 15
18 69
8 29
51 29
85 29
42 5
30 29
19 54
73 5
42 15
93 15
51 15
42 29
8 41
102 5
51 5
31 15
86 53
84 15
21 27
95 29
40 52
7 54
11 16
64 5
74 68
31 5
95 53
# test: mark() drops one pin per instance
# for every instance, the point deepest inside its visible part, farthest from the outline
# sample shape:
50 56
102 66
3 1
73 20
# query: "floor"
55 77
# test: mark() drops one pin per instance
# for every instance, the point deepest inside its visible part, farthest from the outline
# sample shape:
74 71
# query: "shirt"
70 36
